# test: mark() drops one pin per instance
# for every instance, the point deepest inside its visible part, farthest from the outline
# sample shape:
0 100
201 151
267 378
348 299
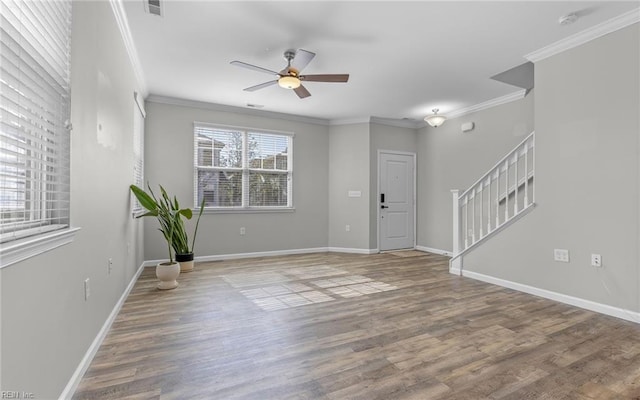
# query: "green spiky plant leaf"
169 215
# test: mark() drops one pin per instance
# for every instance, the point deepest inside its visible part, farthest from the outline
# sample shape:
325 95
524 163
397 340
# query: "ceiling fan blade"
260 86
302 59
302 92
253 67
325 78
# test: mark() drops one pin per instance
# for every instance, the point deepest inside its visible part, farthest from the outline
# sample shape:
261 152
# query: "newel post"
456 222
455 265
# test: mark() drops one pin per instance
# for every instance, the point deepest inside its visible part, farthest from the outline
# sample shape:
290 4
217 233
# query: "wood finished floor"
429 335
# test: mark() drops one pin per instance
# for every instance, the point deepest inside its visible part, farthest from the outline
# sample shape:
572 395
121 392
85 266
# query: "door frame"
415 194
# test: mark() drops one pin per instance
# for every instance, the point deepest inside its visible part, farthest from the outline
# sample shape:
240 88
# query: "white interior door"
396 201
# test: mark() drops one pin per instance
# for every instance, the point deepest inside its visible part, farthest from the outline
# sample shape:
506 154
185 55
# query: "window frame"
139 116
244 169
43 97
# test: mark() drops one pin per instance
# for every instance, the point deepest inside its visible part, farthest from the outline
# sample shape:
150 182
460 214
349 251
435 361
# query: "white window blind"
138 150
35 39
241 168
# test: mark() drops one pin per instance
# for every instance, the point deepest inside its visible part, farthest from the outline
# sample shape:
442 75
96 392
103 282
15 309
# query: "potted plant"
169 216
180 239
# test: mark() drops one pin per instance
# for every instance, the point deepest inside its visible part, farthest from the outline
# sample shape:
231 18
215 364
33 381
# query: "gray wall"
385 137
587 127
46 324
449 159
349 170
169 161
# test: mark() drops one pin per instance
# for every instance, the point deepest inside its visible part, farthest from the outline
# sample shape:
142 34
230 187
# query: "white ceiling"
404 58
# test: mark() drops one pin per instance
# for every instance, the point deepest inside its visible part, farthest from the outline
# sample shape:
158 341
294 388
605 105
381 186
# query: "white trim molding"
234 109
398 123
617 312
234 256
434 251
587 35
75 379
14 252
123 24
507 98
349 121
352 250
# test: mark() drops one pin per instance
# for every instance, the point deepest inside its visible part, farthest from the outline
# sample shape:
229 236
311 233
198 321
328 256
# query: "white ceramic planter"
167 274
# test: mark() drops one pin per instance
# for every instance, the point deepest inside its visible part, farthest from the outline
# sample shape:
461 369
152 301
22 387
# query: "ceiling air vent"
153 7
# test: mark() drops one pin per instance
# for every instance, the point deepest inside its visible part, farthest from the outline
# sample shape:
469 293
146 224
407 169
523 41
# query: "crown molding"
488 104
233 109
349 121
612 25
398 123
125 32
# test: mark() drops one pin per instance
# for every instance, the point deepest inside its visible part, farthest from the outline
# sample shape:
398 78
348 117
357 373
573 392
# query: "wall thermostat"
467 126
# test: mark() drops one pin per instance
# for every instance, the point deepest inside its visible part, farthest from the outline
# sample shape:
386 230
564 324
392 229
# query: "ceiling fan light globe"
289 82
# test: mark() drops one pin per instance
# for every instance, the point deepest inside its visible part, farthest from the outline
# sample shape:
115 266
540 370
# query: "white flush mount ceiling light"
289 82
435 120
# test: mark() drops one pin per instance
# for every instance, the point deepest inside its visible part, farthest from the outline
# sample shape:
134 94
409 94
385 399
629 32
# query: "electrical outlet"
347 228
243 231
596 260
561 255
87 289
110 265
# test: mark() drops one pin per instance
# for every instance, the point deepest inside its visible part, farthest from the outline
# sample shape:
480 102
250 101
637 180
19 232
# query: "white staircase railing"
497 199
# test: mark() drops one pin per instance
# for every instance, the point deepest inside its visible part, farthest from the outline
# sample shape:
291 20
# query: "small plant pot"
167 273
186 262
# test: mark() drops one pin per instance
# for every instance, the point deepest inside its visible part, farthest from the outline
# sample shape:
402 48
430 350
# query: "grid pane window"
138 150
35 39
268 189
220 188
236 168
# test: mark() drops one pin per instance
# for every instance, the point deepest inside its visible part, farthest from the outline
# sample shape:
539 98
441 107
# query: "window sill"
20 250
247 210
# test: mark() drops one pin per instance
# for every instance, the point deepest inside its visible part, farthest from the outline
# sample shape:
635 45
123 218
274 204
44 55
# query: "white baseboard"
151 263
353 250
434 251
73 383
219 257
617 312
261 254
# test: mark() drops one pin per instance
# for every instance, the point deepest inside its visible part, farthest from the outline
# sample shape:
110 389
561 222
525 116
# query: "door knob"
383 207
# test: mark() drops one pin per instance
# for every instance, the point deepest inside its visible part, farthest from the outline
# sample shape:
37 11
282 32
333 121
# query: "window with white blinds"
34 125
138 150
242 168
